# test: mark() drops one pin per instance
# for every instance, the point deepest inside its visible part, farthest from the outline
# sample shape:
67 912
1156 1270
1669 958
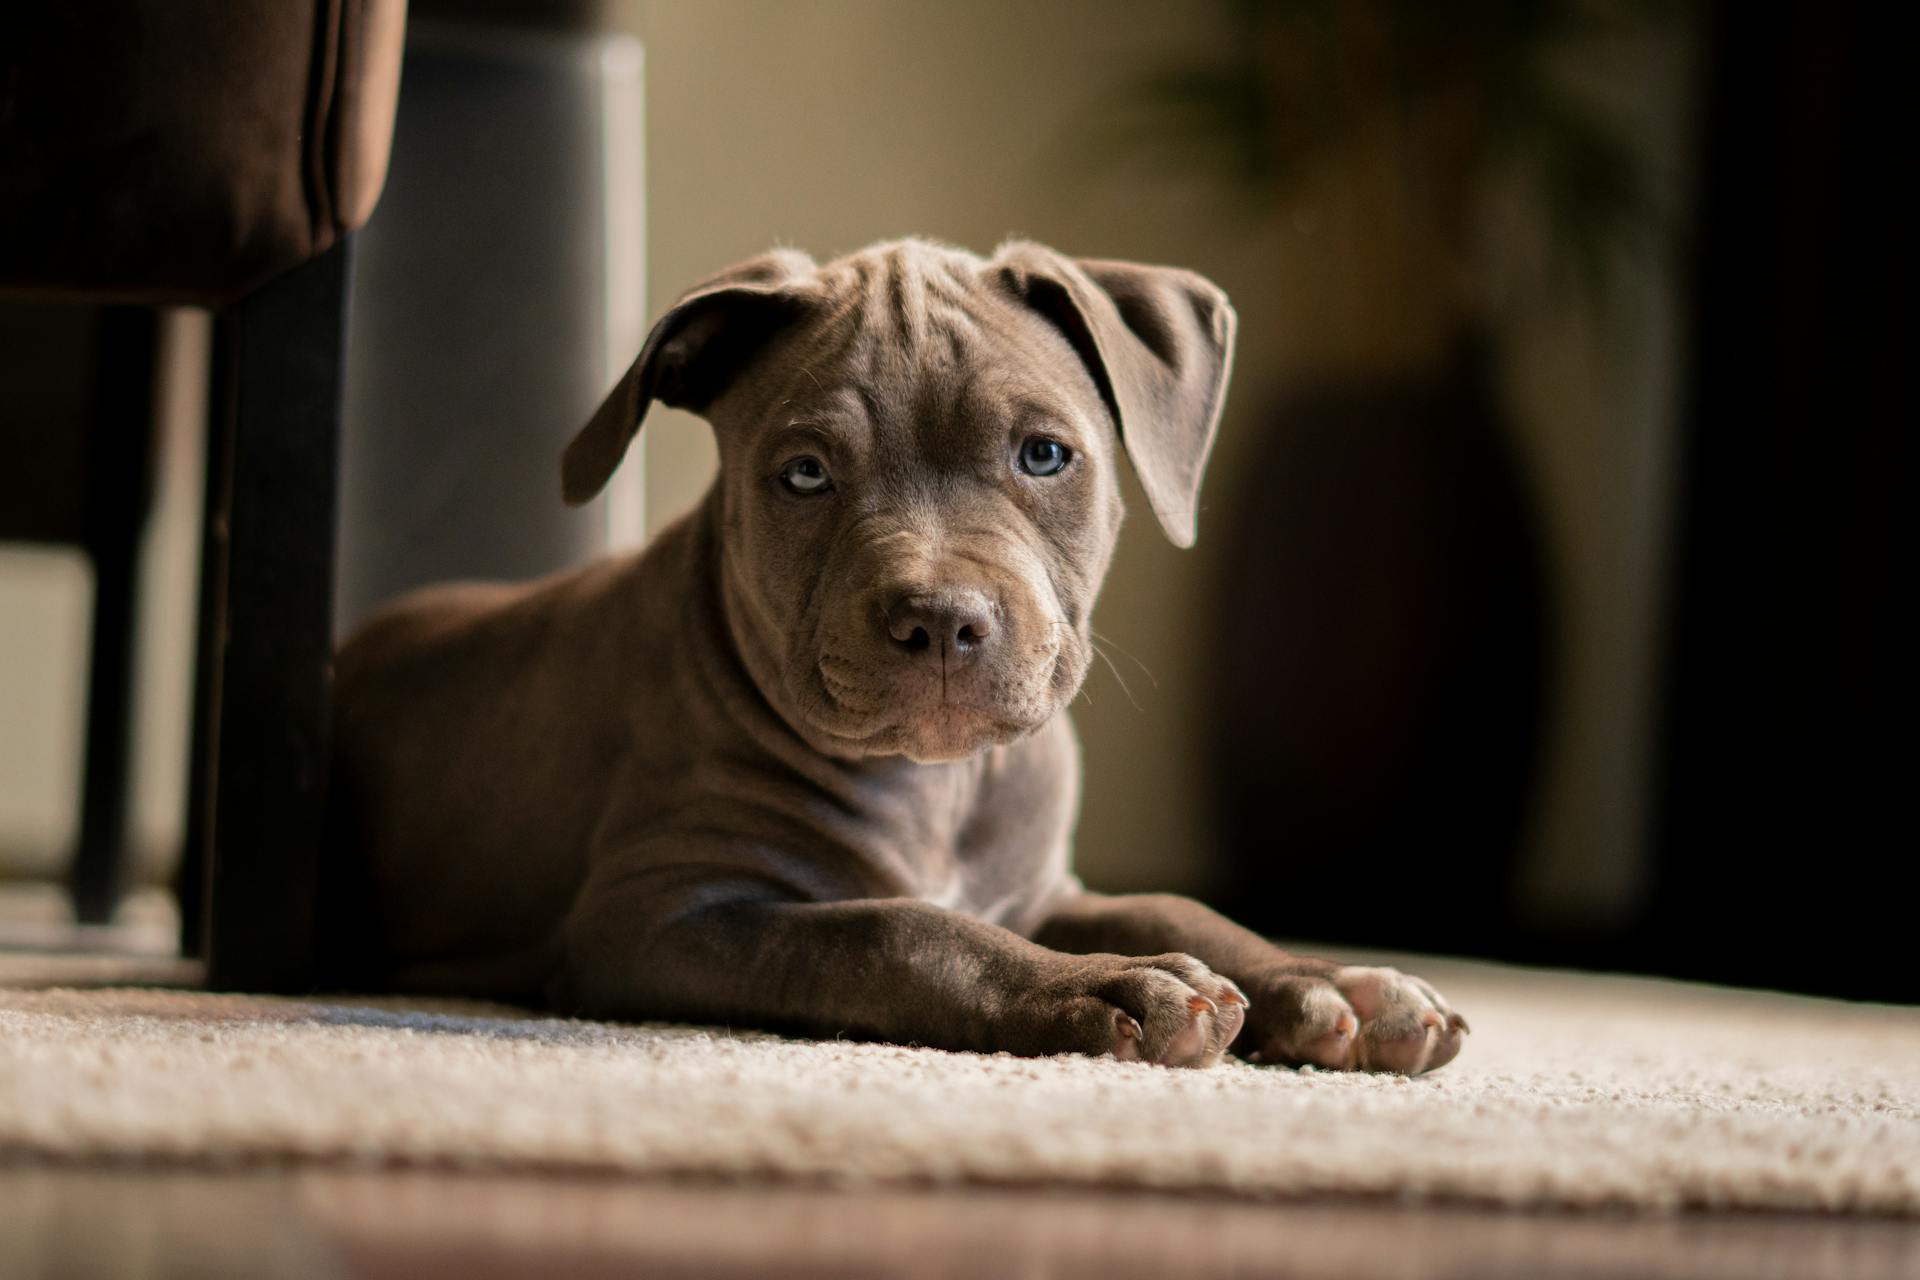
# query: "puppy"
806 762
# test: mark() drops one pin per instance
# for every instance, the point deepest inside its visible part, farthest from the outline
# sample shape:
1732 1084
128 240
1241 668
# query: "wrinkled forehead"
915 348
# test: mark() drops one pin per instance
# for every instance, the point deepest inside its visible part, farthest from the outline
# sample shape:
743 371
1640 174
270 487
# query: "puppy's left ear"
1159 344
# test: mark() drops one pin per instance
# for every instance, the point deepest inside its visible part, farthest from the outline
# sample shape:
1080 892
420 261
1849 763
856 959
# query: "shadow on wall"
1383 704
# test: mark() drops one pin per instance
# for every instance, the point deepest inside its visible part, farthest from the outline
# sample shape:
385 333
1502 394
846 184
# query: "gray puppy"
805 763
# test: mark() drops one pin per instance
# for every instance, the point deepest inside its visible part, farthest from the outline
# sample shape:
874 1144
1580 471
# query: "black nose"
956 624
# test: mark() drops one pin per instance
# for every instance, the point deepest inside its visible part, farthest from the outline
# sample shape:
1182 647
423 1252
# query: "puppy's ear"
1159 344
689 358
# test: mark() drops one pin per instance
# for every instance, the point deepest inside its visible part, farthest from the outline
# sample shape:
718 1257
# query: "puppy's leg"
1305 1010
897 970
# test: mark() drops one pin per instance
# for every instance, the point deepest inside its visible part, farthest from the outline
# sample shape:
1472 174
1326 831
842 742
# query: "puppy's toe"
1317 1027
1230 1014
1449 1037
1400 1043
1406 1026
1186 1014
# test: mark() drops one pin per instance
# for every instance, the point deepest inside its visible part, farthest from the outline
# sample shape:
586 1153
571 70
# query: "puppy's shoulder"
424 619
448 619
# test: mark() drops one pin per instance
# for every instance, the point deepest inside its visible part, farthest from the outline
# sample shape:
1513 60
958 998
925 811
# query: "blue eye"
1041 456
806 476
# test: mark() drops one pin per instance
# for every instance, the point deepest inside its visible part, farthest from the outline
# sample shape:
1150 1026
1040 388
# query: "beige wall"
43 645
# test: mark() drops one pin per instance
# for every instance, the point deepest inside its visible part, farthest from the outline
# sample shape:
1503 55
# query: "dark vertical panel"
1787 825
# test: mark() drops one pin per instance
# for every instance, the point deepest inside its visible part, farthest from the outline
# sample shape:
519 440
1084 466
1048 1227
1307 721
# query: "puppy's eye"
806 476
1042 456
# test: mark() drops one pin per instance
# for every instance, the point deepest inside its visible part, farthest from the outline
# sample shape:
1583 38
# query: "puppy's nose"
954 623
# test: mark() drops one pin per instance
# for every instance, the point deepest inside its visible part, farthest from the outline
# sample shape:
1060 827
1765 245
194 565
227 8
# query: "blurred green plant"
1469 88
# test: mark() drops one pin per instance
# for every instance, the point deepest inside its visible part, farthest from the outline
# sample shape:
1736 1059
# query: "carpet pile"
1574 1091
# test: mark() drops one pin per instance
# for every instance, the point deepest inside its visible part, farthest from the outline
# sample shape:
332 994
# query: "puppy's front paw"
1357 1018
1170 1009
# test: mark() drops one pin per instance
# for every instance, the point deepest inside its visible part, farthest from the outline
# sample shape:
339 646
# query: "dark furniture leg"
196 852
98 875
262 729
120 493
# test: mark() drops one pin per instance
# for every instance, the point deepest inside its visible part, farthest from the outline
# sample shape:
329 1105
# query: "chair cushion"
188 150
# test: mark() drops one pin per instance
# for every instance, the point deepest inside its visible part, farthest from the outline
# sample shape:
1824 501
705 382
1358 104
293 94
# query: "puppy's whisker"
1109 640
1117 676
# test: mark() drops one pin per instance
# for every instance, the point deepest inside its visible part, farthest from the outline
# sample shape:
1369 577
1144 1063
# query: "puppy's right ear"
691 355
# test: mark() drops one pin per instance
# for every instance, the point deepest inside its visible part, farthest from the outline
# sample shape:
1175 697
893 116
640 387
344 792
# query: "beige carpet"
1573 1091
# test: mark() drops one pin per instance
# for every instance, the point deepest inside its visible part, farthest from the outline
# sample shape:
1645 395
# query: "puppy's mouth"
926 716
952 732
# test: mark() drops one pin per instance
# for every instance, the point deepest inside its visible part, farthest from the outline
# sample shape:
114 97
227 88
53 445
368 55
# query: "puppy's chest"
963 875
986 890
947 847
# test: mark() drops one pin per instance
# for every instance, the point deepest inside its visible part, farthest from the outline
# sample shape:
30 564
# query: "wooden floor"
335 1225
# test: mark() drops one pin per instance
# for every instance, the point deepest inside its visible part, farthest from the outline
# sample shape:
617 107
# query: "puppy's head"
918 484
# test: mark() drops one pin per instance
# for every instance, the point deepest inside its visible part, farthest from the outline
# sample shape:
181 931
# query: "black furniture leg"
196 854
120 493
99 871
262 776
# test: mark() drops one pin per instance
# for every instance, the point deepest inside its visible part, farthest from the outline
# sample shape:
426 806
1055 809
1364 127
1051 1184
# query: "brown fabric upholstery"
185 151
